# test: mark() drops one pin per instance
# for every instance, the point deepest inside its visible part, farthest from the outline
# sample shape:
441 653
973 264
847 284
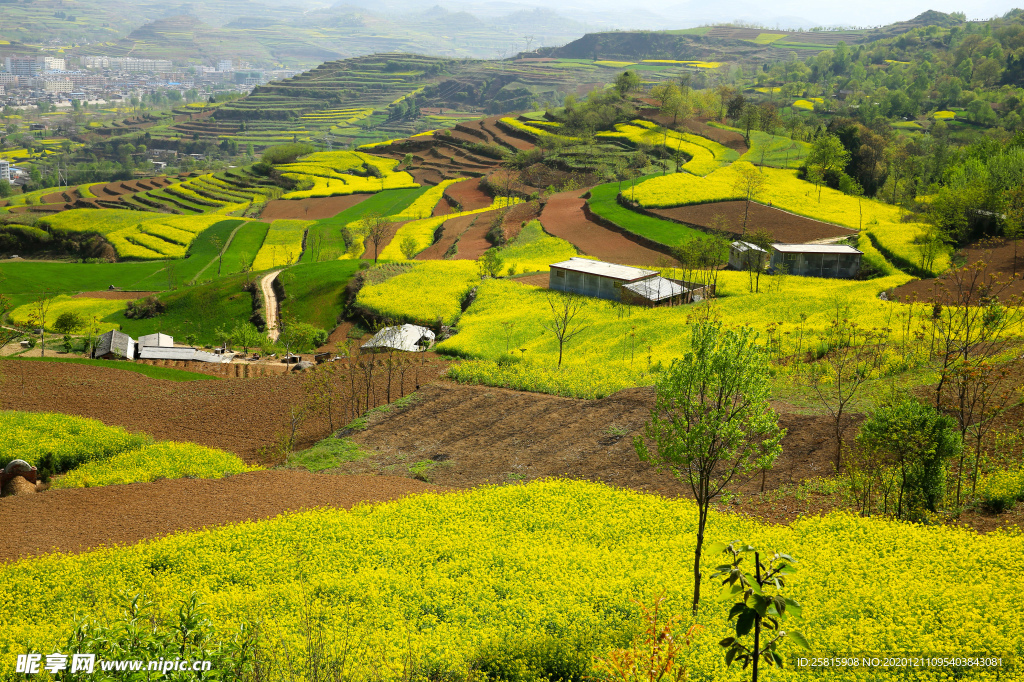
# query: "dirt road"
270 304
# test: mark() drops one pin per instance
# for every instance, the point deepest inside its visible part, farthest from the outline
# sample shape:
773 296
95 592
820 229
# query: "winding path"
270 304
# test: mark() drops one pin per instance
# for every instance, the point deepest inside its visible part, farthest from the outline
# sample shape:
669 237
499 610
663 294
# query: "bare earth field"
116 295
473 435
314 208
998 258
78 519
563 217
785 227
238 415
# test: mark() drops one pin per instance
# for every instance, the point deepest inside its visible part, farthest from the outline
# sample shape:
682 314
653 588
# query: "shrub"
143 308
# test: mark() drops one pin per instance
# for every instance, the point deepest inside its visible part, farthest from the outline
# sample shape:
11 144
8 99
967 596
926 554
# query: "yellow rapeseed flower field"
423 230
282 245
439 576
58 305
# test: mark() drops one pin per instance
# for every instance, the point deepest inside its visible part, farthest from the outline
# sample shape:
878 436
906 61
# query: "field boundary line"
227 243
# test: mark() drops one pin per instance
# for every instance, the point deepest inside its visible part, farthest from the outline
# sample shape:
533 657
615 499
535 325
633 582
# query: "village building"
744 254
624 283
156 340
816 260
114 345
407 337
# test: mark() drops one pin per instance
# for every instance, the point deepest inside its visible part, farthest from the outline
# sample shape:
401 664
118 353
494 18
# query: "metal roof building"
408 337
741 254
156 340
594 278
114 345
656 289
182 353
816 260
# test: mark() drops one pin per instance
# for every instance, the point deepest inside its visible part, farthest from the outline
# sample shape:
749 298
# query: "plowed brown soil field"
76 520
999 260
468 195
116 295
310 209
784 227
238 415
472 435
563 217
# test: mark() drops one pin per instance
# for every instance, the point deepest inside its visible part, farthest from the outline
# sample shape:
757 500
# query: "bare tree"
848 355
750 183
564 322
377 228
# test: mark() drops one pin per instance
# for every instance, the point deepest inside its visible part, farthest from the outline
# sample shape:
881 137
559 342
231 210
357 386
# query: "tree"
247 336
37 316
761 605
763 240
409 247
750 182
68 322
564 322
377 229
848 354
827 155
490 263
712 418
1013 228
626 82
5 189
918 441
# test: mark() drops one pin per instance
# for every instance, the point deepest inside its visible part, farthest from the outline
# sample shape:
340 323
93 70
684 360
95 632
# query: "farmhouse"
615 282
114 345
158 339
742 254
408 337
816 260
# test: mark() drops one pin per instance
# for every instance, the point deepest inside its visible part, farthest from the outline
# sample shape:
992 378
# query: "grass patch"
197 311
315 292
329 453
602 202
244 247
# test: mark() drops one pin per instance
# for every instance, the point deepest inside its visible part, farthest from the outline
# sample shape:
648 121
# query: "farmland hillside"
733 43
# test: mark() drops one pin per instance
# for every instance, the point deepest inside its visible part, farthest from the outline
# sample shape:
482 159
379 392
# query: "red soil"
450 233
998 257
310 209
116 295
468 195
517 216
78 519
238 415
784 227
473 242
563 217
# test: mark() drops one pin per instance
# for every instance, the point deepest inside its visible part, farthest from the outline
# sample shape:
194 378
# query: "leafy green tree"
761 606
247 336
919 441
490 263
68 322
827 154
712 419
408 247
626 82
5 189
